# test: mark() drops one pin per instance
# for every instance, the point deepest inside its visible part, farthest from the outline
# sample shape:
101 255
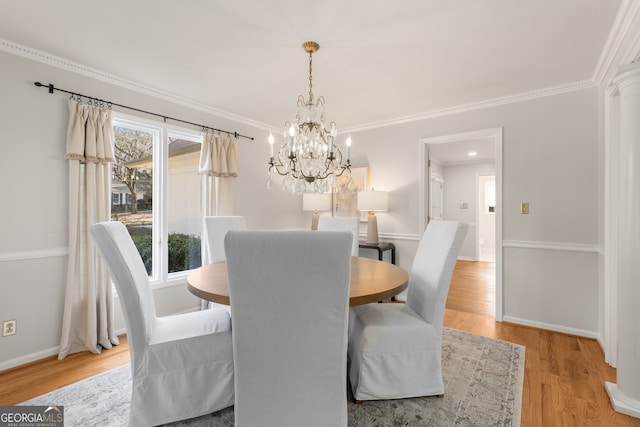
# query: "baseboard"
28 358
52 351
38 355
551 327
621 402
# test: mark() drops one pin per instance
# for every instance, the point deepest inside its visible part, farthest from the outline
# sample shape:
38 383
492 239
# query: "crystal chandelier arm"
346 167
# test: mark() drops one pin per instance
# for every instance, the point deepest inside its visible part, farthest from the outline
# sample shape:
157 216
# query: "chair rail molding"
8 256
553 246
396 236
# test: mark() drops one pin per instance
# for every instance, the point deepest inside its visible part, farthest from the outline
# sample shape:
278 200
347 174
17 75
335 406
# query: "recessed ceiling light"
472 153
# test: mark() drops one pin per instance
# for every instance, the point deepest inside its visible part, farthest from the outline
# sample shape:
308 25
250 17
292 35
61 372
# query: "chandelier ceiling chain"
311 47
309 158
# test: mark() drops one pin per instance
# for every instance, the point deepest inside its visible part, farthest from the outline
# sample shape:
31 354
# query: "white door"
436 196
486 211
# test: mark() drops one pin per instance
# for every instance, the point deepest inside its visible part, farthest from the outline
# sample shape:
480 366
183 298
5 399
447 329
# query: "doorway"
462 205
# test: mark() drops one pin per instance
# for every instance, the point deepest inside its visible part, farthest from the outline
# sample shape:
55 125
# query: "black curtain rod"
52 88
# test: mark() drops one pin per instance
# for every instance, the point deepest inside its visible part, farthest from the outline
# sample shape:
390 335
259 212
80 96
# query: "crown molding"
628 12
494 102
633 54
621 26
58 62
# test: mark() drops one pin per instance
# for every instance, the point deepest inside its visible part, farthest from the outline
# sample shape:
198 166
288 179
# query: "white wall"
460 186
550 159
33 222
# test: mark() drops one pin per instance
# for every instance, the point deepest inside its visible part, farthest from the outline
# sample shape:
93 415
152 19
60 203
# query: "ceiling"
379 61
457 152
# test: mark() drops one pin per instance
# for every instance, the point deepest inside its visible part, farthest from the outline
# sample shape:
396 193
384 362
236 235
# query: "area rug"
483 387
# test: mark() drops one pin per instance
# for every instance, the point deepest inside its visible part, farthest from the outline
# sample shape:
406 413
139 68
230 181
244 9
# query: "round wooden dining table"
371 281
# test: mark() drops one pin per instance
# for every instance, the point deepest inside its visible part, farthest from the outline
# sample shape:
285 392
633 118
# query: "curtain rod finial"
50 86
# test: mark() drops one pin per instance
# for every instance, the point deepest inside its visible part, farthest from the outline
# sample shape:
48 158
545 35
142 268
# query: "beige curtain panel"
219 168
88 312
218 155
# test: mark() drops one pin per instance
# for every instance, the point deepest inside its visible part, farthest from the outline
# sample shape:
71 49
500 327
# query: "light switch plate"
524 208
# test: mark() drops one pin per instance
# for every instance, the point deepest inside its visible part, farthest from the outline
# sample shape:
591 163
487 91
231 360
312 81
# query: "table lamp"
372 201
316 202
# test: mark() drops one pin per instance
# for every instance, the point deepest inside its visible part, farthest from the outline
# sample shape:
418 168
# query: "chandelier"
309 157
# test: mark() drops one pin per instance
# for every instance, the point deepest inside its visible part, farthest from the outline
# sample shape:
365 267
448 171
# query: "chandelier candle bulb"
292 134
271 144
349 147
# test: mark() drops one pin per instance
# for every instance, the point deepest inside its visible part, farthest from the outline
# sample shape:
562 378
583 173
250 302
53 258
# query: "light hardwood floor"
564 374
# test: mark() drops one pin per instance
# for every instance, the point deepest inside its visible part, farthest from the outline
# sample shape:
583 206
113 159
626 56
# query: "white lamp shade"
316 201
373 200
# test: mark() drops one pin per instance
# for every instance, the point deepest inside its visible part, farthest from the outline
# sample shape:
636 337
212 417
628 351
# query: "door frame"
423 190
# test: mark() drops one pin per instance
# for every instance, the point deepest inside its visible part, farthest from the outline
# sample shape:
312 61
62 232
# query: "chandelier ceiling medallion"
309 157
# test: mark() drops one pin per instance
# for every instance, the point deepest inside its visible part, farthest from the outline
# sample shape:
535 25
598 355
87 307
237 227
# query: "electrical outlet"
9 327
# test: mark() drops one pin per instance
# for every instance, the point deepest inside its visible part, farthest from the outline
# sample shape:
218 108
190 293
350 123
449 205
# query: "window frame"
162 132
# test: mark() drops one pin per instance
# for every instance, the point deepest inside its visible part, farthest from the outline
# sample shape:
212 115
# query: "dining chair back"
432 269
289 293
215 228
181 365
395 349
336 223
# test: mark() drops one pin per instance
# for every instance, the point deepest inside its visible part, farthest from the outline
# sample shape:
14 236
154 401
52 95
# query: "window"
156 194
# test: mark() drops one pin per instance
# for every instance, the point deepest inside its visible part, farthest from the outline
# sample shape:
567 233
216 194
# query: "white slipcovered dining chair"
395 349
181 365
336 223
214 230
289 293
